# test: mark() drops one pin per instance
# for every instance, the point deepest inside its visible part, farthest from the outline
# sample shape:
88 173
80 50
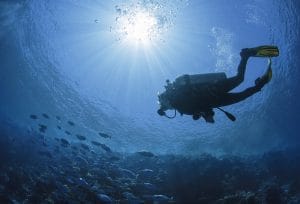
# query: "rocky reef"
38 170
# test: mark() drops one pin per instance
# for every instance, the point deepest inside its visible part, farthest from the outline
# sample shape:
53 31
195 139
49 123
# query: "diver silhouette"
199 94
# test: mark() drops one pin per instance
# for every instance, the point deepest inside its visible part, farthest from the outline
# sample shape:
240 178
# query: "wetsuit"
227 85
195 99
199 97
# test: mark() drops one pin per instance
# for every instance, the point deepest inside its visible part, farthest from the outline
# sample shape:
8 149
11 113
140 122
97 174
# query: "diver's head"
164 101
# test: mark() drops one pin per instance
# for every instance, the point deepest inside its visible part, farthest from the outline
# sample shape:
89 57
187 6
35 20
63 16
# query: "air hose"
171 117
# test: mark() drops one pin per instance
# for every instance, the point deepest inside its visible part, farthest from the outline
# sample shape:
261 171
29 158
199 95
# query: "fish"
71 123
34 117
145 153
58 127
64 142
104 135
103 198
42 128
103 146
67 132
81 137
161 199
45 115
96 143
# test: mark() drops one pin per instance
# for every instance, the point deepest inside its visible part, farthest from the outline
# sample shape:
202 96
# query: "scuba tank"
199 79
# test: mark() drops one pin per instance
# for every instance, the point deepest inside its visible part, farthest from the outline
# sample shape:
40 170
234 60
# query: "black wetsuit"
193 99
227 85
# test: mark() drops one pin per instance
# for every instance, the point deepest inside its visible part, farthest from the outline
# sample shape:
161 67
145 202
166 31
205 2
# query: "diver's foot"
247 52
261 81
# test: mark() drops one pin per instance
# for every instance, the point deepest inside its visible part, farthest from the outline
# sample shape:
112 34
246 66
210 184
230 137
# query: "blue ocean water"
78 88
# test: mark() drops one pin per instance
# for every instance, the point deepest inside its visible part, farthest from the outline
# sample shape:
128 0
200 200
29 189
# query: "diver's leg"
233 82
231 98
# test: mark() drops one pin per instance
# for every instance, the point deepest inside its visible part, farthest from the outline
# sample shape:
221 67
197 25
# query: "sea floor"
33 170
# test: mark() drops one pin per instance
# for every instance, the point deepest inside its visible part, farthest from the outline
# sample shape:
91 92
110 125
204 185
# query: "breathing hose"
171 117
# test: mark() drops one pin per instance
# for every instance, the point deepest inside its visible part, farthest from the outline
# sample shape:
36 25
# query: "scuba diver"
199 94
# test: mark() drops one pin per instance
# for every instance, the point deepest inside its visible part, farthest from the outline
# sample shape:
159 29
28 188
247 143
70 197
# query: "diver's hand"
161 112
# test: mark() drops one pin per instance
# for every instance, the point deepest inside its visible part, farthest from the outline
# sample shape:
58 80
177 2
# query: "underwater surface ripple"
56 47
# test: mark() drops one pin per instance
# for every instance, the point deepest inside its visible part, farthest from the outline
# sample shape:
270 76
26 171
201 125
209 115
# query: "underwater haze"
68 58
80 78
